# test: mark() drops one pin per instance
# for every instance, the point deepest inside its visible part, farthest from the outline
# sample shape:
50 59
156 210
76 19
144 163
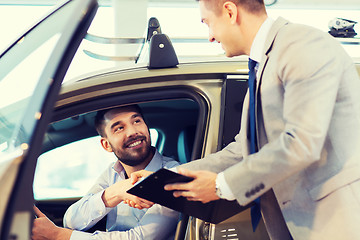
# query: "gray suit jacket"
308 124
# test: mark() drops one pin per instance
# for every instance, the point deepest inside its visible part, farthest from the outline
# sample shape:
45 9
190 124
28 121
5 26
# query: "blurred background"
178 19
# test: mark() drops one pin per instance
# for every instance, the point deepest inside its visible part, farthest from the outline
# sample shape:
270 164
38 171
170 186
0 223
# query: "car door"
31 72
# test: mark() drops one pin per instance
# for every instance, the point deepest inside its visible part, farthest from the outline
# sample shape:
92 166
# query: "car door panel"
239 226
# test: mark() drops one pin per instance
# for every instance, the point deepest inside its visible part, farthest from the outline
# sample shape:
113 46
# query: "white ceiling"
314 4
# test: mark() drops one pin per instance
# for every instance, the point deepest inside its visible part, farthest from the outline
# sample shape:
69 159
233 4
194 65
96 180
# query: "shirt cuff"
224 187
174 169
78 235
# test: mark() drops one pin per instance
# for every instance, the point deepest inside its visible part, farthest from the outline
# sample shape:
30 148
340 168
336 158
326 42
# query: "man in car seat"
124 132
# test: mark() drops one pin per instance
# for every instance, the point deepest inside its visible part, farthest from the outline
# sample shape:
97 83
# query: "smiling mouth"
134 144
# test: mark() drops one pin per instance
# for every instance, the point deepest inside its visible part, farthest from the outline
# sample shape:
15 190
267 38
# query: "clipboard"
152 189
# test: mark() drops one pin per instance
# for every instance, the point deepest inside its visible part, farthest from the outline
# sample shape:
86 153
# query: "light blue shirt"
123 222
256 53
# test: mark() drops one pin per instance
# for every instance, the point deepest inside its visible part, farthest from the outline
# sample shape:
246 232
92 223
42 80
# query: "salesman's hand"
202 188
44 229
116 193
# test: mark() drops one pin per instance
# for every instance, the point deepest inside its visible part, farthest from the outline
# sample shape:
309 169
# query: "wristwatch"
217 189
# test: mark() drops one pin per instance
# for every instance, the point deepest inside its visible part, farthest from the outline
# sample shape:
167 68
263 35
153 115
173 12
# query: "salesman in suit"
306 165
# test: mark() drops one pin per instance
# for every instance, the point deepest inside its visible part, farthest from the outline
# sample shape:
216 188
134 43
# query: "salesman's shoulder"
298 31
297 38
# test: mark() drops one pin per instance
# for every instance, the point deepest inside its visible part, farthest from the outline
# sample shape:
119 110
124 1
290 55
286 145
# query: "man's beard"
133 160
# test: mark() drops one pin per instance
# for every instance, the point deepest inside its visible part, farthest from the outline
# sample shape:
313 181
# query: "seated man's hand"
116 193
44 229
136 176
139 203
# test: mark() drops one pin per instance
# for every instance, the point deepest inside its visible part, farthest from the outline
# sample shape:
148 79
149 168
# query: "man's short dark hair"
99 117
252 6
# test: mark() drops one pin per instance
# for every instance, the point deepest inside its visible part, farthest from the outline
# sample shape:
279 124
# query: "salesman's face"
223 26
127 136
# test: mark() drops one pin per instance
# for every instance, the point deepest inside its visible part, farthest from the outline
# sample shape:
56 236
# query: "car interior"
173 121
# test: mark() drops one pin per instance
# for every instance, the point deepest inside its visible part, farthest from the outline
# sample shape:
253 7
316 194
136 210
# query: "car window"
13 106
70 170
28 65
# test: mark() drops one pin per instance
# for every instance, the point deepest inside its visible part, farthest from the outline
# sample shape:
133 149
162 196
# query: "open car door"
31 72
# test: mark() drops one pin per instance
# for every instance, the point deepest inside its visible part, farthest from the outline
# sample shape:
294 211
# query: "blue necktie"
255 210
252 121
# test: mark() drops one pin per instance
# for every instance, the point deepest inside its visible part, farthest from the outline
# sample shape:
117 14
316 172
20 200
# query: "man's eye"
119 129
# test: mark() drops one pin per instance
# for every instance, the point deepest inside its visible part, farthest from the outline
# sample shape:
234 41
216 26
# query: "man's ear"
232 11
105 144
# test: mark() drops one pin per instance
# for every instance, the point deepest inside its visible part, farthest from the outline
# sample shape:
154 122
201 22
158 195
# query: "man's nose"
211 38
131 131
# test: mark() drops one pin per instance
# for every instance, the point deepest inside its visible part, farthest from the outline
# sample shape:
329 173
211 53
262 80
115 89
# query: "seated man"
124 132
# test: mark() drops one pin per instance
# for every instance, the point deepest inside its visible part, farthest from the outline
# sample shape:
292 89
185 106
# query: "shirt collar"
257 47
154 165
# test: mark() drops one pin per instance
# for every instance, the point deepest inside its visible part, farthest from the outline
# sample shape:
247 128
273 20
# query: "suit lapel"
279 23
260 131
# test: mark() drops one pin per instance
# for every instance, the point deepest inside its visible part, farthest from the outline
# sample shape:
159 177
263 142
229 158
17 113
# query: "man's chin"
135 158
230 55
132 162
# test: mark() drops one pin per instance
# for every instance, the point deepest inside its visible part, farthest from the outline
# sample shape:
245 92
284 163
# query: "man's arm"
85 213
157 223
90 209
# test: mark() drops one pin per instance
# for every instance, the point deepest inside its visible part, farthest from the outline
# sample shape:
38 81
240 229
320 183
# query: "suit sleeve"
219 161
